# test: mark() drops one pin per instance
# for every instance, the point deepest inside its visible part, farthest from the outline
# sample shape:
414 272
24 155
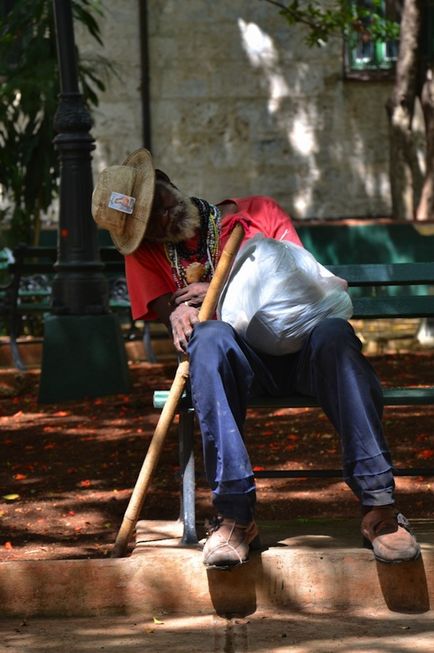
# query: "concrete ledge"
316 569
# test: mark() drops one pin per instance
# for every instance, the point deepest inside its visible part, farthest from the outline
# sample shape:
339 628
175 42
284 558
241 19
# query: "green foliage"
325 20
29 88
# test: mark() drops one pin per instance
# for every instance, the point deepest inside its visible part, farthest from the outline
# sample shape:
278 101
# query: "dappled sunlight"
84 458
320 118
262 54
265 632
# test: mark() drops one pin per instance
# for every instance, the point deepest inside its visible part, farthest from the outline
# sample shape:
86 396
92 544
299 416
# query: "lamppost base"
83 356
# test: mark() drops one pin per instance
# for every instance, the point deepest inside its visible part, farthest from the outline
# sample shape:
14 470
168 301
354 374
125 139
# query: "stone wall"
118 118
240 105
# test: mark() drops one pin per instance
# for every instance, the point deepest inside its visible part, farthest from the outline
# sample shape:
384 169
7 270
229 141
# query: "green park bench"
396 290
26 280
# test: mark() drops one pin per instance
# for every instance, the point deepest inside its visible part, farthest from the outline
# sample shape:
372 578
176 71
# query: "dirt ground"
67 471
276 632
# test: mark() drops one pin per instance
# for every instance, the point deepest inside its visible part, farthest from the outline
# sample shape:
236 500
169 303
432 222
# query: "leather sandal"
229 543
388 533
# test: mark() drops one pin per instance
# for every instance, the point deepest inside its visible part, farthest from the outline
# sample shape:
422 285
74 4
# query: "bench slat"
392 397
400 306
385 274
335 473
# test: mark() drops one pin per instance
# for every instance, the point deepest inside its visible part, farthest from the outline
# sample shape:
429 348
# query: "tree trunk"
425 210
406 177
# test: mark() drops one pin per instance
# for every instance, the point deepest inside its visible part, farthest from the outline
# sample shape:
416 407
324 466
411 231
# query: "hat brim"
137 223
127 230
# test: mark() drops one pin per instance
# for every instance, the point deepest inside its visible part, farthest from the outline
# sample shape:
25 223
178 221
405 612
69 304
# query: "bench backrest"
377 289
390 290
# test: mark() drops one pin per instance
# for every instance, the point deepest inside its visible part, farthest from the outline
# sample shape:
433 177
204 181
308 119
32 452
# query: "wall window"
365 56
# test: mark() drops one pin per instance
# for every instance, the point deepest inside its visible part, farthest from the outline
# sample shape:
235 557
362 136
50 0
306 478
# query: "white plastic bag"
277 292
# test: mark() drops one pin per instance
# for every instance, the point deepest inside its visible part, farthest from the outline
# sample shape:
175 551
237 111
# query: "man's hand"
182 321
194 294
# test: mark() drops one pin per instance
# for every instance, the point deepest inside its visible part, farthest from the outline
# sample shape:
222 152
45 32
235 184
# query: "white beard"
184 218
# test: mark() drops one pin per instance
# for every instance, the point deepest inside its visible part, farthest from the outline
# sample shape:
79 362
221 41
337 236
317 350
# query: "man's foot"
228 543
387 532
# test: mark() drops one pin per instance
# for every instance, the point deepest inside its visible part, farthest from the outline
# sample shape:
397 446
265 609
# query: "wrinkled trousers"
225 372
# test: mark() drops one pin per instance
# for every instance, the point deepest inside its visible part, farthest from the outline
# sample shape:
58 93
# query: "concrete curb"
293 574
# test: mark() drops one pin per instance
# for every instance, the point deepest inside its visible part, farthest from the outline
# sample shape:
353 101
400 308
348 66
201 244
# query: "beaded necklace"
198 264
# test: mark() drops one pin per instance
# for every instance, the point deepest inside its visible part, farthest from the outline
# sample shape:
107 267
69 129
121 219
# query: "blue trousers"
225 371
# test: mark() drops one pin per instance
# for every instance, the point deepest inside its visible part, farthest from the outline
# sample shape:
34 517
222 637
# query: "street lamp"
83 353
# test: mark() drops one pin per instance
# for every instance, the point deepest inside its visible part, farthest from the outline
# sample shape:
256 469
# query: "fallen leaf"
20 477
10 497
426 454
8 546
157 621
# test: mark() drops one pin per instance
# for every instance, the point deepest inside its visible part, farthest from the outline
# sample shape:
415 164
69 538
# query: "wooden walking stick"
169 410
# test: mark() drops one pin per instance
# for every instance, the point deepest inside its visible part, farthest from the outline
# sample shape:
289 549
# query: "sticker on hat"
121 202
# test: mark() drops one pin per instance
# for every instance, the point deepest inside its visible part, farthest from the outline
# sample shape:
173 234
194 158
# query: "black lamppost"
80 287
83 350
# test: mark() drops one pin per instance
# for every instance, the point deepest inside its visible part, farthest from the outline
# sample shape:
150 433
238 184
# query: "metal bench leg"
13 332
186 457
147 344
16 356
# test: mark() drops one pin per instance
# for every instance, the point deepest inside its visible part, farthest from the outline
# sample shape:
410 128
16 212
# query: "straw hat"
122 200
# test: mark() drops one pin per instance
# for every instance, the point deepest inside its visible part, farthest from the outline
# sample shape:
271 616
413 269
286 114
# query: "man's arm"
178 316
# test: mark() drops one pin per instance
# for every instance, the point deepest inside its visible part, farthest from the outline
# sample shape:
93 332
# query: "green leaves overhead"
29 89
324 20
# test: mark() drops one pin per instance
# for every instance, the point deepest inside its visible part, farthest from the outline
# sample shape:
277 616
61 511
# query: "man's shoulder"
257 200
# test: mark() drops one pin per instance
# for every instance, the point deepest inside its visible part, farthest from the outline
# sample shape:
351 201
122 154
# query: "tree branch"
297 16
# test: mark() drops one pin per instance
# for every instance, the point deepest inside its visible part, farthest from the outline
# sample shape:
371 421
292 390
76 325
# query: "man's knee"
334 333
210 336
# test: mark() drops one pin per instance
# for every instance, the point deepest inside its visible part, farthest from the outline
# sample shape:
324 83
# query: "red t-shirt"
148 271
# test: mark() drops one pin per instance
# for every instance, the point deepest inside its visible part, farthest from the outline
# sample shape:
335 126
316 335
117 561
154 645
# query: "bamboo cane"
167 414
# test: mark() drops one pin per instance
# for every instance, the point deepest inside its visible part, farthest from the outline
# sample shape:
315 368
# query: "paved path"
264 632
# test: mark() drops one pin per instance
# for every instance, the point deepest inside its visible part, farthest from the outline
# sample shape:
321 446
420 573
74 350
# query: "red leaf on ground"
85 483
61 413
20 477
258 468
426 453
8 545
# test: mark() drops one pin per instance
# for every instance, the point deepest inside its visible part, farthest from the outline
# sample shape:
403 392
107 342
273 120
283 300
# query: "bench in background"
25 294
